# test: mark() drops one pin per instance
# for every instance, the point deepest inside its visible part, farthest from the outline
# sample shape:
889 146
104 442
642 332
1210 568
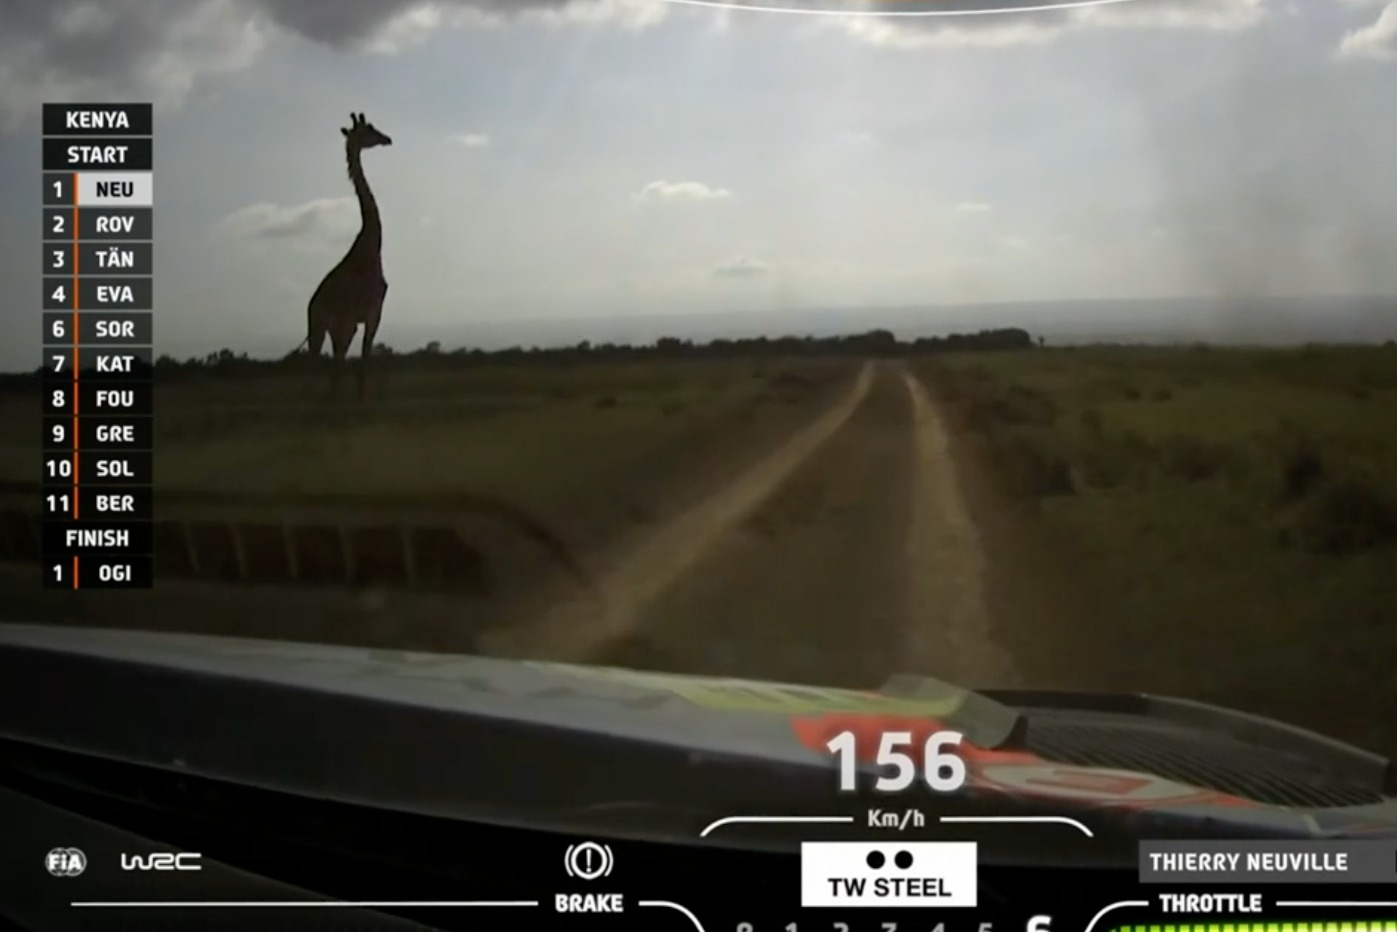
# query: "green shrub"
1345 517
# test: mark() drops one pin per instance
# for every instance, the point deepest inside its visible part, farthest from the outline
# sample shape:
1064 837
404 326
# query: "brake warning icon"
888 873
589 860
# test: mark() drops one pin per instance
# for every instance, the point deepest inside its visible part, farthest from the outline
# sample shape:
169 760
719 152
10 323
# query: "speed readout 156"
937 765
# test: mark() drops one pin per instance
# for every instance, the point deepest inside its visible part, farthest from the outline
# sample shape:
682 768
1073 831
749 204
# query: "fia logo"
66 862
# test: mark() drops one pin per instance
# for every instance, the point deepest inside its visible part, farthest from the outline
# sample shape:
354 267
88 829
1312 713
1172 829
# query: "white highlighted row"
115 189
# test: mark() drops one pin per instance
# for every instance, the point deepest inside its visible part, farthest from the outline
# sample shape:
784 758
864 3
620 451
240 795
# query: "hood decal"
748 696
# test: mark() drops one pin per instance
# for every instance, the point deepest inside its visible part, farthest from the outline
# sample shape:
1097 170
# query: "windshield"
804 343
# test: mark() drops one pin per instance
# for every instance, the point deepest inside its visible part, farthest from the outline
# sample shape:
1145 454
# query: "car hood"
578 748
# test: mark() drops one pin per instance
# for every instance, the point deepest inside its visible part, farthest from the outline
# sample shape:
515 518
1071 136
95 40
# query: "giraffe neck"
371 233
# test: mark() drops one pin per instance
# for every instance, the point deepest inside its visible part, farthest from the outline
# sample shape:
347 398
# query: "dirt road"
838 553
842 558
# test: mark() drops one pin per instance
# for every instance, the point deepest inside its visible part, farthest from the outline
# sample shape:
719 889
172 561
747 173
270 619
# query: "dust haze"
1265 173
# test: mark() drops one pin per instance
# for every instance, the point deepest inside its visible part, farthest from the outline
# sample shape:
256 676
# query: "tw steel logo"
898 7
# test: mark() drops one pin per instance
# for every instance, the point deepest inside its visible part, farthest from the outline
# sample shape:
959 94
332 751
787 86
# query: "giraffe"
352 292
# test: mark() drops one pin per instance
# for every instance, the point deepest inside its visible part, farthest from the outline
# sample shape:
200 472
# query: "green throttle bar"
1389 925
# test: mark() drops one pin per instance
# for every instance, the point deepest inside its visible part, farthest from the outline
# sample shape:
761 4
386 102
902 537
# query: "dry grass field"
1211 523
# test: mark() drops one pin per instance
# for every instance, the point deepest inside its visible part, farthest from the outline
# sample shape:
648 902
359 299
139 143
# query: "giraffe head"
362 134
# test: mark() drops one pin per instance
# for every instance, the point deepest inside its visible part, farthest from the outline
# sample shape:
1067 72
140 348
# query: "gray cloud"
741 268
1044 26
69 49
357 23
325 218
157 49
470 140
1376 40
669 191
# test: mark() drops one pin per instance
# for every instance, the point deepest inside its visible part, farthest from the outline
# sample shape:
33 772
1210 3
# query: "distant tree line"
873 343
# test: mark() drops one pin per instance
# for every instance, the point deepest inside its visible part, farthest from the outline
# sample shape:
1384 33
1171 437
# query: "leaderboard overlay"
98 358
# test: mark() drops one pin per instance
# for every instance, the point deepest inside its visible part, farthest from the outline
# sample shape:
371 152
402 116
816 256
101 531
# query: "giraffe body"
352 293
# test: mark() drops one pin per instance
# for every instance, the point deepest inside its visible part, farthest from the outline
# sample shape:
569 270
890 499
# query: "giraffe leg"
317 330
316 341
366 349
316 327
340 338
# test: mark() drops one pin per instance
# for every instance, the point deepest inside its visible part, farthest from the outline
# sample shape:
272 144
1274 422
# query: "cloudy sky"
636 157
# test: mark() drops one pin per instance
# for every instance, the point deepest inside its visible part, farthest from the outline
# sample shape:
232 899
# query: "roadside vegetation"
587 447
1221 523
585 436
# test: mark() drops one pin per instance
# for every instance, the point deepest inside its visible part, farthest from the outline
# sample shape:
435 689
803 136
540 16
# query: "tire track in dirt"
863 564
948 632
812 587
574 631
